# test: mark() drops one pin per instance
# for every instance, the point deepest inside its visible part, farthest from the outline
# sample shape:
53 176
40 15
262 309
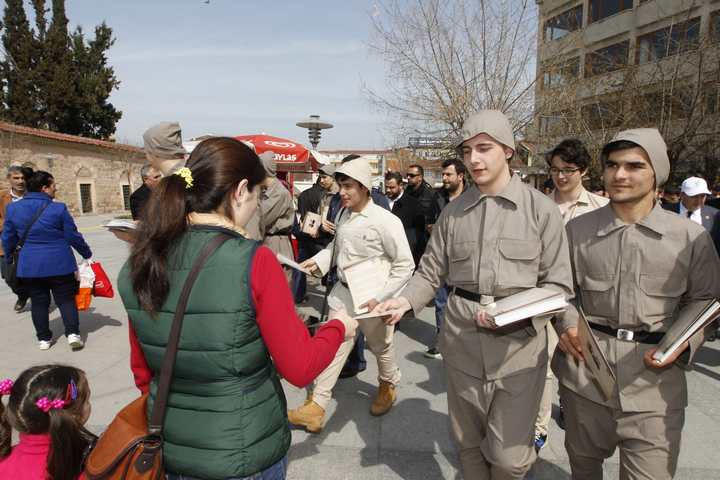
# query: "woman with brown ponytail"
226 416
48 405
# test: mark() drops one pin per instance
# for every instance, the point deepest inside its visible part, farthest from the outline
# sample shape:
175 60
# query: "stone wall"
98 169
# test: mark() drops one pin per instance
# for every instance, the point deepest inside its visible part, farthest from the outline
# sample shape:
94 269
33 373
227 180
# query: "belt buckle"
625 335
487 300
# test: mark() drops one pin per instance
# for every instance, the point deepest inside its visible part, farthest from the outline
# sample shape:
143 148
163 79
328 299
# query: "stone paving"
411 442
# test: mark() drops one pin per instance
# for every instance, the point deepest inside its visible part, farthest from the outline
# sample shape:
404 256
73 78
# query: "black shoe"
433 353
713 336
20 304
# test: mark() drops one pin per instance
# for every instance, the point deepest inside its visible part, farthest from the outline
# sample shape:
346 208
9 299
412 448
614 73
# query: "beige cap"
327 169
490 122
650 140
164 140
268 160
358 169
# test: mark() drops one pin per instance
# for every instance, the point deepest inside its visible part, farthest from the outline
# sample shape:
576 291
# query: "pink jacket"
28 459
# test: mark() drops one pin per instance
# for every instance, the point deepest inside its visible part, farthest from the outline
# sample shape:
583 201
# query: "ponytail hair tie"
6 387
186 174
46 405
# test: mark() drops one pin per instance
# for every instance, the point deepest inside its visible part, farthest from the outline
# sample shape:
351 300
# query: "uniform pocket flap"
461 251
596 284
518 249
662 286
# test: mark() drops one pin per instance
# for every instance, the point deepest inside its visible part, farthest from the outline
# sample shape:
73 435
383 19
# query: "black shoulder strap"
32 222
158 412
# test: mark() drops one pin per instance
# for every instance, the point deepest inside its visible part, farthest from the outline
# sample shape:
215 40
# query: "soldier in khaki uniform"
636 266
498 238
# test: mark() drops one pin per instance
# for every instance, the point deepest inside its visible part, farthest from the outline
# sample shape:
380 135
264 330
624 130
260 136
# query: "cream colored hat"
164 140
692 186
650 140
358 169
268 160
490 122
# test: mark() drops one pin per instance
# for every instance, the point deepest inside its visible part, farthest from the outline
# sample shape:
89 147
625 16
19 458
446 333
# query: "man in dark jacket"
419 189
150 177
454 184
408 210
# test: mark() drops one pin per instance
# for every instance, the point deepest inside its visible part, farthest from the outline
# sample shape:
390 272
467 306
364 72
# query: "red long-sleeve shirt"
298 357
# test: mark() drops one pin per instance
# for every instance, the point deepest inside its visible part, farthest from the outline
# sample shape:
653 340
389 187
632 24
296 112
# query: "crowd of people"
633 257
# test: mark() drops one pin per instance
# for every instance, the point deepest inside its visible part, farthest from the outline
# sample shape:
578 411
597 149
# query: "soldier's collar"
512 193
610 222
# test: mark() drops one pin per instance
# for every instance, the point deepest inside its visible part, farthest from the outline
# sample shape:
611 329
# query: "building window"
668 41
600 9
602 115
607 59
560 25
715 26
711 98
86 197
561 74
126 196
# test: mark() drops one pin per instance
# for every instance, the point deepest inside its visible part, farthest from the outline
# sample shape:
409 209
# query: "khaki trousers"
493 422
542 423
379 339
649 442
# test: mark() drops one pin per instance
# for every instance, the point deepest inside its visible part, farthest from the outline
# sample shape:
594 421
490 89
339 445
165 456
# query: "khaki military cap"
491 122
268 160
650 140
358 169
164 140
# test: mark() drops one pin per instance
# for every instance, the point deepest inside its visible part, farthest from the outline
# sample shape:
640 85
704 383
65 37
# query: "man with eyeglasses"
568 163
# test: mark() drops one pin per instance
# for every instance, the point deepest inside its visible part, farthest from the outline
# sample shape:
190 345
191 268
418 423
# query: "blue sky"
242 67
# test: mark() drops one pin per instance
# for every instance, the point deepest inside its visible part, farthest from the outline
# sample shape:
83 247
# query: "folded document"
121 224
526 304
681 330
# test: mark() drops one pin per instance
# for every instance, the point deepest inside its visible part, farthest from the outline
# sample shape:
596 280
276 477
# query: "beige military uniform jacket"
493 245
277 214
637 277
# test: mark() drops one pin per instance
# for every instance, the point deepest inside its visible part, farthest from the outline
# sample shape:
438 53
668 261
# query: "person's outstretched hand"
395 309
350 323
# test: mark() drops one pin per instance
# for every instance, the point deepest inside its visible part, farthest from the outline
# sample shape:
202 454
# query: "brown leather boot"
385 398
310 416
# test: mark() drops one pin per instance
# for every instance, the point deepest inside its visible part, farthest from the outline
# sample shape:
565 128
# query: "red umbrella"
289 155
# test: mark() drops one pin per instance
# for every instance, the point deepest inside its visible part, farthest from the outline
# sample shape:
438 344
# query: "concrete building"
93 176
605 65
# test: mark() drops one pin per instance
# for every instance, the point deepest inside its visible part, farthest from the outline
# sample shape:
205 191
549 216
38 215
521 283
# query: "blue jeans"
273 472
441 298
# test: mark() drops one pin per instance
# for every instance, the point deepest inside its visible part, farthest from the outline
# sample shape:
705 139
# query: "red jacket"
28 459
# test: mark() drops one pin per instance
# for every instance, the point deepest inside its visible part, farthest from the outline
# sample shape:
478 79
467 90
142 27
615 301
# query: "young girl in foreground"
48 406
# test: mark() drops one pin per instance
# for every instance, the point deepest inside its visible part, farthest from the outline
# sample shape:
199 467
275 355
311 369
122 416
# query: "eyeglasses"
412 175
564 171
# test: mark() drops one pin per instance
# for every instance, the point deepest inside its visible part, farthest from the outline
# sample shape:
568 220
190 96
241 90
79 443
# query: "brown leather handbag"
130 449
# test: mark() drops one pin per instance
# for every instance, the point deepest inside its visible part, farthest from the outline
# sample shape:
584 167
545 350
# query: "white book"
362 279
526 304
311 223
121 224
292 264
681 330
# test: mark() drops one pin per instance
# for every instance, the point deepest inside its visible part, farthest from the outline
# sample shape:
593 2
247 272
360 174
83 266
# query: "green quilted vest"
226 414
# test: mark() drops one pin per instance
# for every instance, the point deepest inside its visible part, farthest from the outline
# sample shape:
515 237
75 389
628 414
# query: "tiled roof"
62 137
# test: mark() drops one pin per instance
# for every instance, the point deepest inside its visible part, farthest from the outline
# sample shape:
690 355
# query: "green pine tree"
60 76
18 67
96 82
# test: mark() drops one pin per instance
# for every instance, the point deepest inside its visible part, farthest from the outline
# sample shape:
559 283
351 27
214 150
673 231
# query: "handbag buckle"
625 335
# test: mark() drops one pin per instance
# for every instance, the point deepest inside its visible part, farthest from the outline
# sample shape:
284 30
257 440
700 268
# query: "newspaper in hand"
122 225
691 320
595 360
293 264
526 304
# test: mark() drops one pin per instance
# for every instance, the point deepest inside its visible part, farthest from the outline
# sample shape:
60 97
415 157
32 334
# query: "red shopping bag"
102 286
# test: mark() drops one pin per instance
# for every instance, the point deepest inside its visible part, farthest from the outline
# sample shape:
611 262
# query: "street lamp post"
314 126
